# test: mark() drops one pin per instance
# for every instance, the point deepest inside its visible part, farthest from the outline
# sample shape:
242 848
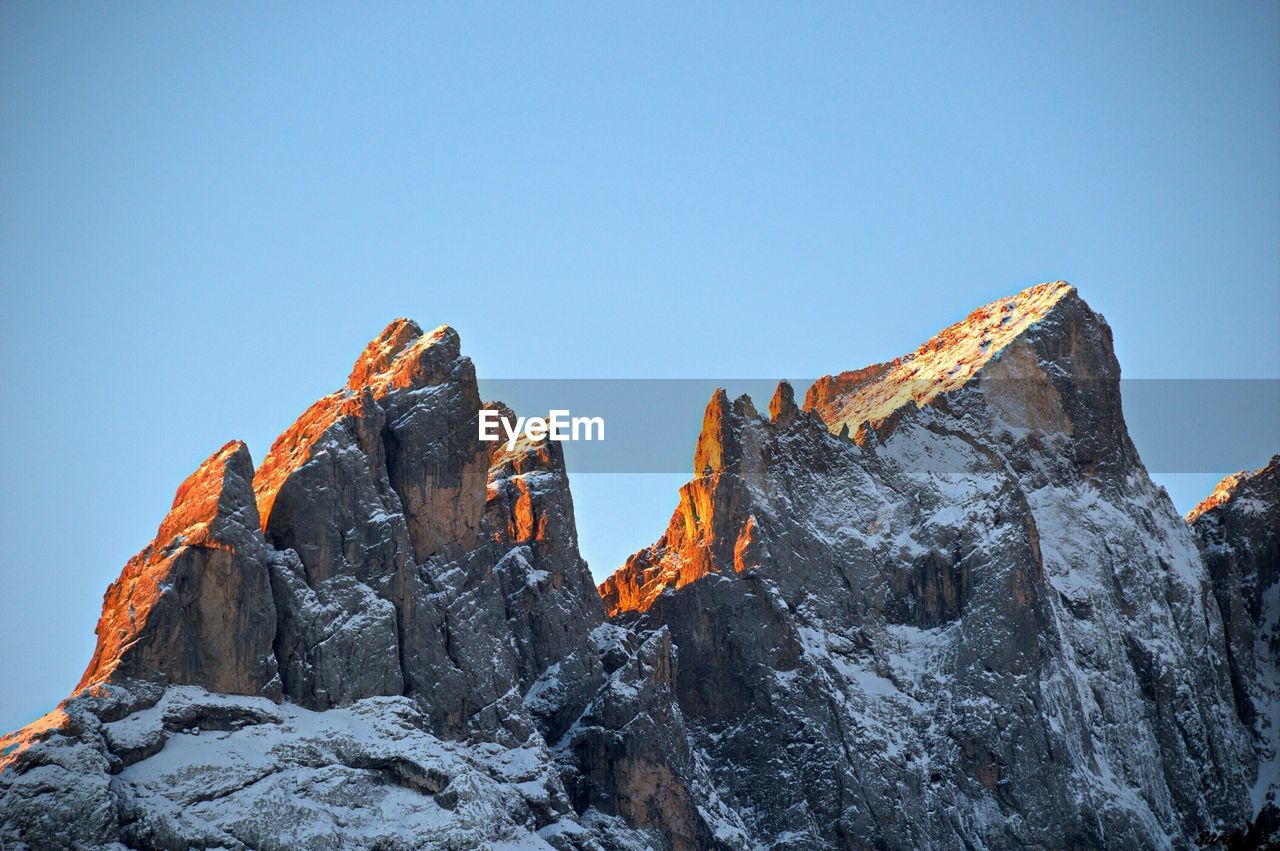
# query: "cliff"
941 604
969 624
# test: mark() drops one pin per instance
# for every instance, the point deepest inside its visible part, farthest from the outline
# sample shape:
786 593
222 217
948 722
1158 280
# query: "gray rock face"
549 600
336 642
195 606
382 559
939 605
977 624
413 579
1239 531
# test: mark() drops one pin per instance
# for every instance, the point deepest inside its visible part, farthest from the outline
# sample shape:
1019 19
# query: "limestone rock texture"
384 592
195 606
1239 530
939 604
945 606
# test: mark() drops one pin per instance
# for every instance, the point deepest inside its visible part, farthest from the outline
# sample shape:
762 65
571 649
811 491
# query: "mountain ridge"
928 608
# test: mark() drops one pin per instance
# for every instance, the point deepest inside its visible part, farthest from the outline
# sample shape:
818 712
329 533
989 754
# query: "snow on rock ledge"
204 770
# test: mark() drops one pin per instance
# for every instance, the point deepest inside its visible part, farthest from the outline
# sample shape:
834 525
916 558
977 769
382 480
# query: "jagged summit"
946 362
1233 485
389 604
215 488
891 609
382 351
1238 527
969 630
401 357
397 358
782 407
195 607
707 533
717 442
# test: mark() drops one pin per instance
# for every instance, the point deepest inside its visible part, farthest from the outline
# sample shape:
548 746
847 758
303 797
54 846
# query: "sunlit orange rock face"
381 549
402 357
868 398
195 606
709 526
411 558
1231 486
823 393
372 483
713 528
516 485
12 745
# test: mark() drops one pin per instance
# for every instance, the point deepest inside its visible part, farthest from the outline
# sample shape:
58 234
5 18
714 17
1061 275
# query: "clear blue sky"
207 209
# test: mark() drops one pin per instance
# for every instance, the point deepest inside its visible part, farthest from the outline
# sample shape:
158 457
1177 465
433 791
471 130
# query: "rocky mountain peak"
969 629
221 488
715 441
946 362
1246 491
402 357
195 606
782 407
823 393
425 360
990 542
715 525
382 352
1238 528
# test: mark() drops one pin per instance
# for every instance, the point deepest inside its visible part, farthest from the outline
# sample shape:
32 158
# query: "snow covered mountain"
976 622
940 605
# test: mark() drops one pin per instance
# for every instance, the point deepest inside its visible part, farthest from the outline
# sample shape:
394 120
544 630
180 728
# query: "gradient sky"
207 210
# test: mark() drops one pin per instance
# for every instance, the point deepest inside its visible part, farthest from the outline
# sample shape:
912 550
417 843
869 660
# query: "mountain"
385 618
1238 526
974 623
939 604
